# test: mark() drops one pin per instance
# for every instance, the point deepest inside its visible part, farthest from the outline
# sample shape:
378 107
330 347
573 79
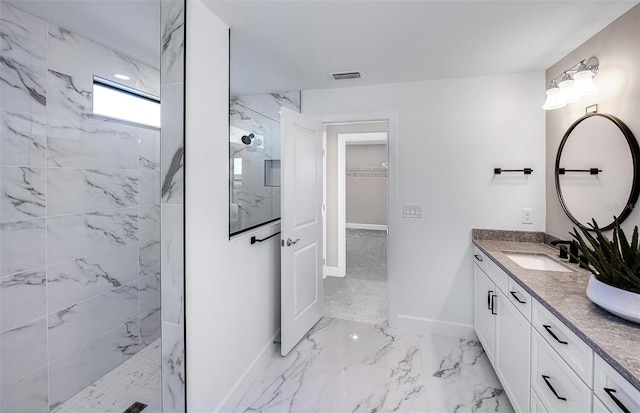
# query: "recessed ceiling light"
122 77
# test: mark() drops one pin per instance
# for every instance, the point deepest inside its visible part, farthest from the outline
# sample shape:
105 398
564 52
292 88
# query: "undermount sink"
532 261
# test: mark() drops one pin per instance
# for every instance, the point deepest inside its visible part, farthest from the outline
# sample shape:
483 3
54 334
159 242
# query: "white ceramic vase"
624 304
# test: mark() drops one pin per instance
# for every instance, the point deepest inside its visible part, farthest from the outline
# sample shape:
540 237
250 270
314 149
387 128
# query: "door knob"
291 242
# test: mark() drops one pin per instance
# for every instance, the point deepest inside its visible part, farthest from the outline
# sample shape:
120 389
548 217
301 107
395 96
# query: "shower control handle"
291 242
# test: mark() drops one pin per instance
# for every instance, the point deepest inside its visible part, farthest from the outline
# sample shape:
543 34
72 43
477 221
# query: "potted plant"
615 265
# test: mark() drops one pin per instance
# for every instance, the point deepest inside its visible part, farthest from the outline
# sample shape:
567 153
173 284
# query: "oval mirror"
597 171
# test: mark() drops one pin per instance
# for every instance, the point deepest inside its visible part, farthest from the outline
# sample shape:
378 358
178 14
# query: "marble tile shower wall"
253 201
172 204
79 217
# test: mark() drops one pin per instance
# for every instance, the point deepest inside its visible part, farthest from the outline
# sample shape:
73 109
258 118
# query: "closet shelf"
367 172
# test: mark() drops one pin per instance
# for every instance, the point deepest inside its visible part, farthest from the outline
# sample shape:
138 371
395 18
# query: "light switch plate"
527 216
412 211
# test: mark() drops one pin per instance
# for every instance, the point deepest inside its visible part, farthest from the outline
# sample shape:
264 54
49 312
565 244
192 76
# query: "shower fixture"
247 139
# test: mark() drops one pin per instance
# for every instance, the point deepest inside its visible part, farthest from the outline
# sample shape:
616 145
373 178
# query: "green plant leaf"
614 262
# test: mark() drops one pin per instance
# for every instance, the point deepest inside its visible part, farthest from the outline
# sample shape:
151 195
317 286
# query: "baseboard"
429 326
331 272
257 366
374 227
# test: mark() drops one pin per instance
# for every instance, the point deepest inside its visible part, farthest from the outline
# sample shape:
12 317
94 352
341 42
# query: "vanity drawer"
497 275
613 390
520 298
575 352
479 258
559 388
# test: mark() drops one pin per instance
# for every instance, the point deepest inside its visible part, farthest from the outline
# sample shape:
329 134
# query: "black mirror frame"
635 156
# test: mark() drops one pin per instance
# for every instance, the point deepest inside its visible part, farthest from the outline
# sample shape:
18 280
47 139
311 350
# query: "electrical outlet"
527 216
412 211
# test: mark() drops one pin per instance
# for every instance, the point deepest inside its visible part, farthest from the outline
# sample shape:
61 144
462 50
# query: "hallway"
363 294
347 366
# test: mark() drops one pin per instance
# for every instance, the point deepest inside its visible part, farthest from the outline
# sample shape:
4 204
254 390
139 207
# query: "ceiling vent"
346 75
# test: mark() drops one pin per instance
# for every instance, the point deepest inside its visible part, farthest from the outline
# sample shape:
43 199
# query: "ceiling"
279 46
131 27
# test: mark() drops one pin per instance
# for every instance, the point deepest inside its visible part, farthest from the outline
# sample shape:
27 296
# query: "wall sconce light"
572 84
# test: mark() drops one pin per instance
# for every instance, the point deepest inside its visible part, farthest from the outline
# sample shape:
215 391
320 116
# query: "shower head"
246 139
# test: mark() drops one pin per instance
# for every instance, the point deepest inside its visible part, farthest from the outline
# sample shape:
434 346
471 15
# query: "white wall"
366 196
450 135
232 287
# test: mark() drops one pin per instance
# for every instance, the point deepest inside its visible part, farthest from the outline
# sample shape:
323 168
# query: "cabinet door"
484 320
598 406
513 352
557 386
613 390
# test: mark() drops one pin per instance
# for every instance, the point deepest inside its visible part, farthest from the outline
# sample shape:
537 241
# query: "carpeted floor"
362 294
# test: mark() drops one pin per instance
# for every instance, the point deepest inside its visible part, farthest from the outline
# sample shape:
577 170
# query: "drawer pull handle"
478 257
489 300
548 328
493 304
546 380
615 400
513 293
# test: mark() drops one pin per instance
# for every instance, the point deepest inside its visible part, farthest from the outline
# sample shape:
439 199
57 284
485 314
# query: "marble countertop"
616 340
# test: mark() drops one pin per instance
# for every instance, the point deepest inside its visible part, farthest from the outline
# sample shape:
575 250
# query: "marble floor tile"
348 366
445 395
457 359
303 381
367 388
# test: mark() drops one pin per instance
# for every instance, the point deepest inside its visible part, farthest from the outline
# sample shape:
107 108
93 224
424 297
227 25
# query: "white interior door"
301 226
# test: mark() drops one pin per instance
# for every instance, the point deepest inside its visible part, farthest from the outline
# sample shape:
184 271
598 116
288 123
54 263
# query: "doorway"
356 194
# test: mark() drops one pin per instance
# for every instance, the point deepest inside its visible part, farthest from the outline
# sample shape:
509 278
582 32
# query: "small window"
117 101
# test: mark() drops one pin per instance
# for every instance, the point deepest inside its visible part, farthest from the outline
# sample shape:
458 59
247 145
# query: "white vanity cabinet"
613 391
484 317
542 364
504 333
512 347
558 387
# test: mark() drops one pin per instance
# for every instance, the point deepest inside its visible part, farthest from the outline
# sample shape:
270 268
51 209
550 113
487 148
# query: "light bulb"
567 92
584 84
553 100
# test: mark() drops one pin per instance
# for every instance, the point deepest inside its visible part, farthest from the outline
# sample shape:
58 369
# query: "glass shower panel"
79 222
254 150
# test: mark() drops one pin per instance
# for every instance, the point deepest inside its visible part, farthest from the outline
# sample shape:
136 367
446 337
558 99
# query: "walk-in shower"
80 209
